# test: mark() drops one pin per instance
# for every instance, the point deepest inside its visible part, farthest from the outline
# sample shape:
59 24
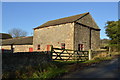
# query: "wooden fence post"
90 54
51 49
12 49
109 51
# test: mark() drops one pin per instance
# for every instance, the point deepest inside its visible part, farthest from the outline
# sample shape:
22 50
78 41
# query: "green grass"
98 60
67 66
51 73
115 53
43 72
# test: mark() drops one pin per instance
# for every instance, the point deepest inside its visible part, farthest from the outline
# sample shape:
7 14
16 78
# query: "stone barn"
78 32
4 36
20 44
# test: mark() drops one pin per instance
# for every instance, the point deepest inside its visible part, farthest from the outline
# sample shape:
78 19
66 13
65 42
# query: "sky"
28 15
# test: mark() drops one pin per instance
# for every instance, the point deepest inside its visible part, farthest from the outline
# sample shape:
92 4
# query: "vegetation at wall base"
43 72
54 69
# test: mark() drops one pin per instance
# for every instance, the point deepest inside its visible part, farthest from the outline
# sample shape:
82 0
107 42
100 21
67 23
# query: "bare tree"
16 32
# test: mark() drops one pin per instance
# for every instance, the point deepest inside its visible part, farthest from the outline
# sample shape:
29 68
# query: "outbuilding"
20 44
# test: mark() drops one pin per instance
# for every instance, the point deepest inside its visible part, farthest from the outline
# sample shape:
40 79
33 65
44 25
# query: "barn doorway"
30 49
80 47
48 47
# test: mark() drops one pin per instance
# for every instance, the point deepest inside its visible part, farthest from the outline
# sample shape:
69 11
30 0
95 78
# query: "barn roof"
18 41
5 36
62 20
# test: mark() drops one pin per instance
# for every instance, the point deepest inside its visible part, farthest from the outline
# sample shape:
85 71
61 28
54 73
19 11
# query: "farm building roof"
63 20
5 36
18 41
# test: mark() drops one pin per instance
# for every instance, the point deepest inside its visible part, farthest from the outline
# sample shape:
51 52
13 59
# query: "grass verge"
52 70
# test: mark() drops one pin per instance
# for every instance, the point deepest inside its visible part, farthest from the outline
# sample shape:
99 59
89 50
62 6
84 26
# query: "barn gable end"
88 21
87 33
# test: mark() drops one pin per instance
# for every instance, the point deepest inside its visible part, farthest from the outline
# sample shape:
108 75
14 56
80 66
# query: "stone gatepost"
90 54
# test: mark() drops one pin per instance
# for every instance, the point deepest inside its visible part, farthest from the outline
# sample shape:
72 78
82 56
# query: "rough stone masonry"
79 32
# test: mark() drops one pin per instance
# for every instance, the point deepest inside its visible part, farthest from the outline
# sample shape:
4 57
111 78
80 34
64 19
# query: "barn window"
48 47
80 47
2 50
38 47
30 49
63 45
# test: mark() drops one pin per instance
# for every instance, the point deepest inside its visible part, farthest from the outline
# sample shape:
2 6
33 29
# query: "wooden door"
30 49
80 47
48 47
2 50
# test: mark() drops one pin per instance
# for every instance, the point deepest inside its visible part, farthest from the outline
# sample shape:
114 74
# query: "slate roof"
5 36
18 41
62 20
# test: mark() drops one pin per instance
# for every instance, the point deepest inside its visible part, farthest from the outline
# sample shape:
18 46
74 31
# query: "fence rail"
67 54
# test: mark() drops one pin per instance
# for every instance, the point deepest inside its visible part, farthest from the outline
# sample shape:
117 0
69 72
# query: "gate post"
90 54
51 50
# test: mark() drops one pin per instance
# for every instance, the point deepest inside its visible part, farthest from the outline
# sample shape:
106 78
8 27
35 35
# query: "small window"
63 45
2 50
48 47
38 47
80 47
30 49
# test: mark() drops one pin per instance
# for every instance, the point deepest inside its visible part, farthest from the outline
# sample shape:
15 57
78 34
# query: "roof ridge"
70 16
62 20
18 37
83 15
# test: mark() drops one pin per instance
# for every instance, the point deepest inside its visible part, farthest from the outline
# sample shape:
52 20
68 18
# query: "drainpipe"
90 52
90 40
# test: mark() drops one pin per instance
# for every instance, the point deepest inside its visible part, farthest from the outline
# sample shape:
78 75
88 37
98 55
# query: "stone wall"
22 48
18 48
99 54
71 34
81 36
54 35
95 38
95 34
16 61
88 21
